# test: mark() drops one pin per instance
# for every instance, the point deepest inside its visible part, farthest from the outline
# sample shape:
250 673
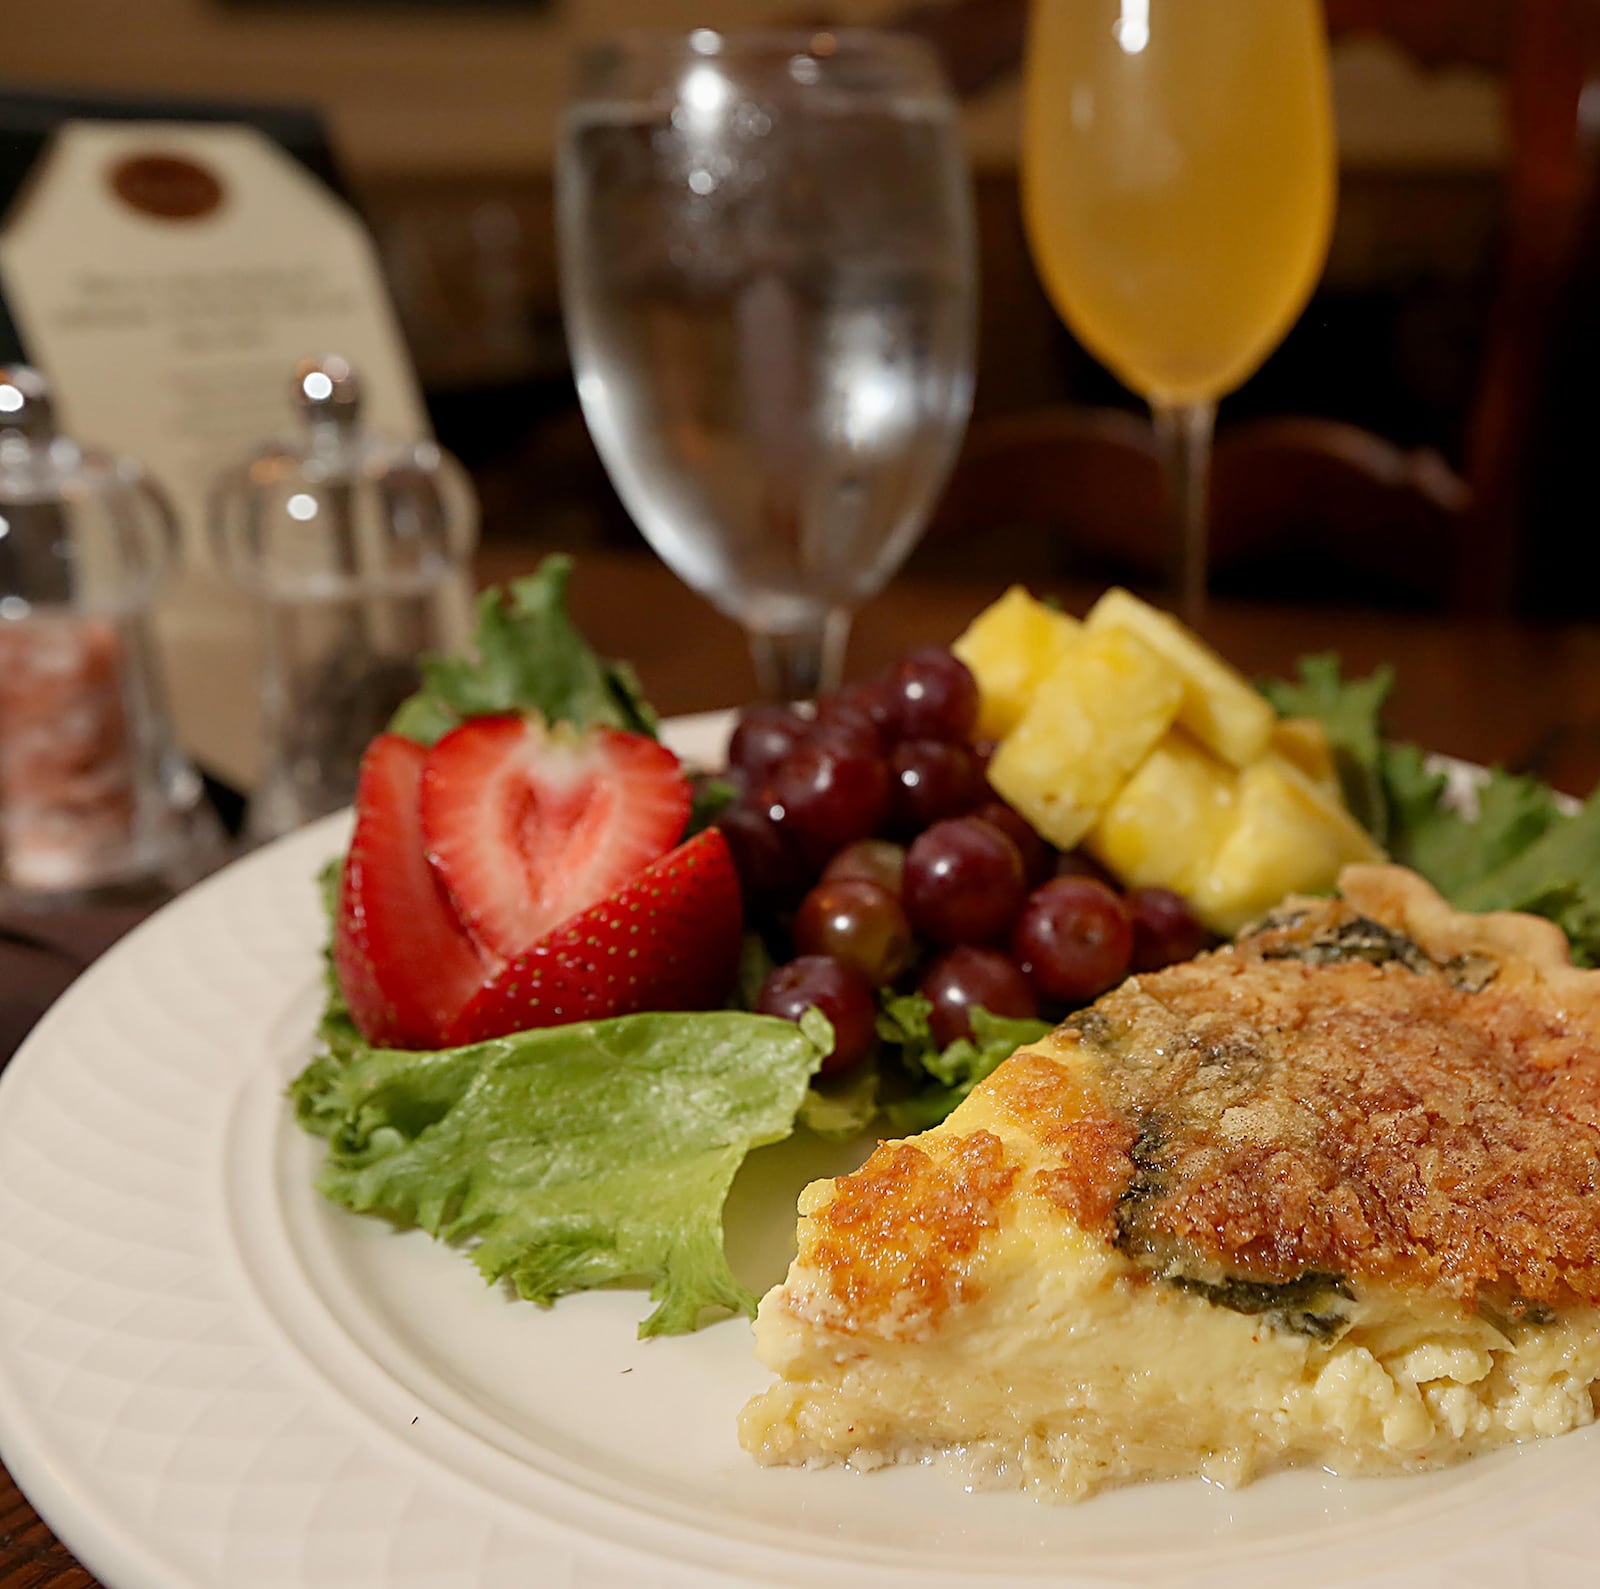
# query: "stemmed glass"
1179 185
767 275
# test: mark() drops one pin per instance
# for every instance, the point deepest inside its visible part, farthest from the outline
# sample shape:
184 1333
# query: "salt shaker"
356 547
95 797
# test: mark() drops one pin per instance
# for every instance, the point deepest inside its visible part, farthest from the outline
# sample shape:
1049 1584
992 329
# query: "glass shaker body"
357 550
94 794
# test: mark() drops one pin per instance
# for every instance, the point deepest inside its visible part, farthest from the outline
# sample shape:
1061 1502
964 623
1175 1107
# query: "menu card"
165 276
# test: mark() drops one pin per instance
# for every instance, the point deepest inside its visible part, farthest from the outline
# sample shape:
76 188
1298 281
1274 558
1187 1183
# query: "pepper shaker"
356 547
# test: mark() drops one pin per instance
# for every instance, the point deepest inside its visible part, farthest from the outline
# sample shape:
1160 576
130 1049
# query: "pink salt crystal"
67 806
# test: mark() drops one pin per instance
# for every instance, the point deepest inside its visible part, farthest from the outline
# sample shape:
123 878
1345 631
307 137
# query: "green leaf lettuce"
945 1075
1517 850
569 1158
1453 850
526 656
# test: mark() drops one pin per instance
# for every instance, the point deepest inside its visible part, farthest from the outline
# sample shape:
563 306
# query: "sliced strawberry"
666 940
404 964
527 825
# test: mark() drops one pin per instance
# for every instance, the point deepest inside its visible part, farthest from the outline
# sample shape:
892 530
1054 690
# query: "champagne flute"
1179 188
767 272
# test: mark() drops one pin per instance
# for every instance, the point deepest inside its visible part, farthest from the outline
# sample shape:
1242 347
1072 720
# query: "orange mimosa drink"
1178 180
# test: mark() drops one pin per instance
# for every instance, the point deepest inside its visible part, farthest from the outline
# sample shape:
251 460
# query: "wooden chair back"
1301 508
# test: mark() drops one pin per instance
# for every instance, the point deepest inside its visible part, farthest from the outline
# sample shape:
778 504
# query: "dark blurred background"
1422 438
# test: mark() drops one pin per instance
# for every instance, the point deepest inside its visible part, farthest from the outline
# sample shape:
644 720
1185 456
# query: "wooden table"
1520 694
1524 695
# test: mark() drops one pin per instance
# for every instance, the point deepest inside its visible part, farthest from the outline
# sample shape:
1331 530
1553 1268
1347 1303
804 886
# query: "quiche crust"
1326 1195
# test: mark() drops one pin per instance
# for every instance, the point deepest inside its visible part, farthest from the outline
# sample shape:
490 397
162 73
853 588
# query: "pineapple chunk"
1170 818
1220 708
1304 741
1010 646
1288 836
1089 723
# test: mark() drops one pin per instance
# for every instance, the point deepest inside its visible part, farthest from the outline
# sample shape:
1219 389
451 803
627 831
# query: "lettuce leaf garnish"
1557 875
1517 851
710 798
944 1076
839 1110
1454 851
526 656
569 1158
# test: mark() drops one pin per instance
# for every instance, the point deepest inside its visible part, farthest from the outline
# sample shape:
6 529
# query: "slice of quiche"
1329 1195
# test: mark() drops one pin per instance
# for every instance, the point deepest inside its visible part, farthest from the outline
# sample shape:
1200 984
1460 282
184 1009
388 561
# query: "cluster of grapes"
869 843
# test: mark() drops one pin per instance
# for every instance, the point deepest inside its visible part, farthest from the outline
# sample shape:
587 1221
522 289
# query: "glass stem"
801 664
1183 437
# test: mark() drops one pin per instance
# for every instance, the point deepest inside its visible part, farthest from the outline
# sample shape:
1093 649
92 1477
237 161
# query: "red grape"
876 860
763 737
876 699
930 780
840 992
831 794
1073 939
963 882
769 873
1038 858
806 852
849 727
935 696
964 978
857 922
1078 863
1164 929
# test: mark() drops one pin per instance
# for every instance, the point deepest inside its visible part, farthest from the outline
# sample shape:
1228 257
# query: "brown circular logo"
171 187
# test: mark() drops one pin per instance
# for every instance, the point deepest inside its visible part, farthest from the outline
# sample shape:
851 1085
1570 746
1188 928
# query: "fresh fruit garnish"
527 826
1038 858
404 964
667 939
963 882
877 860
763 737
840 992
858 922
832 791
1073 940
769 871
848 727
932 695
967 978
929 780
1164 928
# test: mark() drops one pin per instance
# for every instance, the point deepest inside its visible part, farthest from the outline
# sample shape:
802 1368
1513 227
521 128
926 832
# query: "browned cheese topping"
1375 1089
893 1240
1326 1098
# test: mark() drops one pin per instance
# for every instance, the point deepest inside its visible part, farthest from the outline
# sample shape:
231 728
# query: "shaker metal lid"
327 391
25 405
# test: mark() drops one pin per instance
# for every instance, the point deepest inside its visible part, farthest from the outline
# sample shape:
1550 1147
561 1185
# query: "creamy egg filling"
1075 1369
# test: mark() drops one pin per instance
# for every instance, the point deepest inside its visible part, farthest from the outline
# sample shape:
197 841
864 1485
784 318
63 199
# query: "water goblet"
766 249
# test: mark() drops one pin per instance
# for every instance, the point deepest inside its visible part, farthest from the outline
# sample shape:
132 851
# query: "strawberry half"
667 940
527 826
403 962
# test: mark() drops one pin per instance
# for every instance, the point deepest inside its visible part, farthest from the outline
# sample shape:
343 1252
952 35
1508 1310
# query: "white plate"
209 1377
